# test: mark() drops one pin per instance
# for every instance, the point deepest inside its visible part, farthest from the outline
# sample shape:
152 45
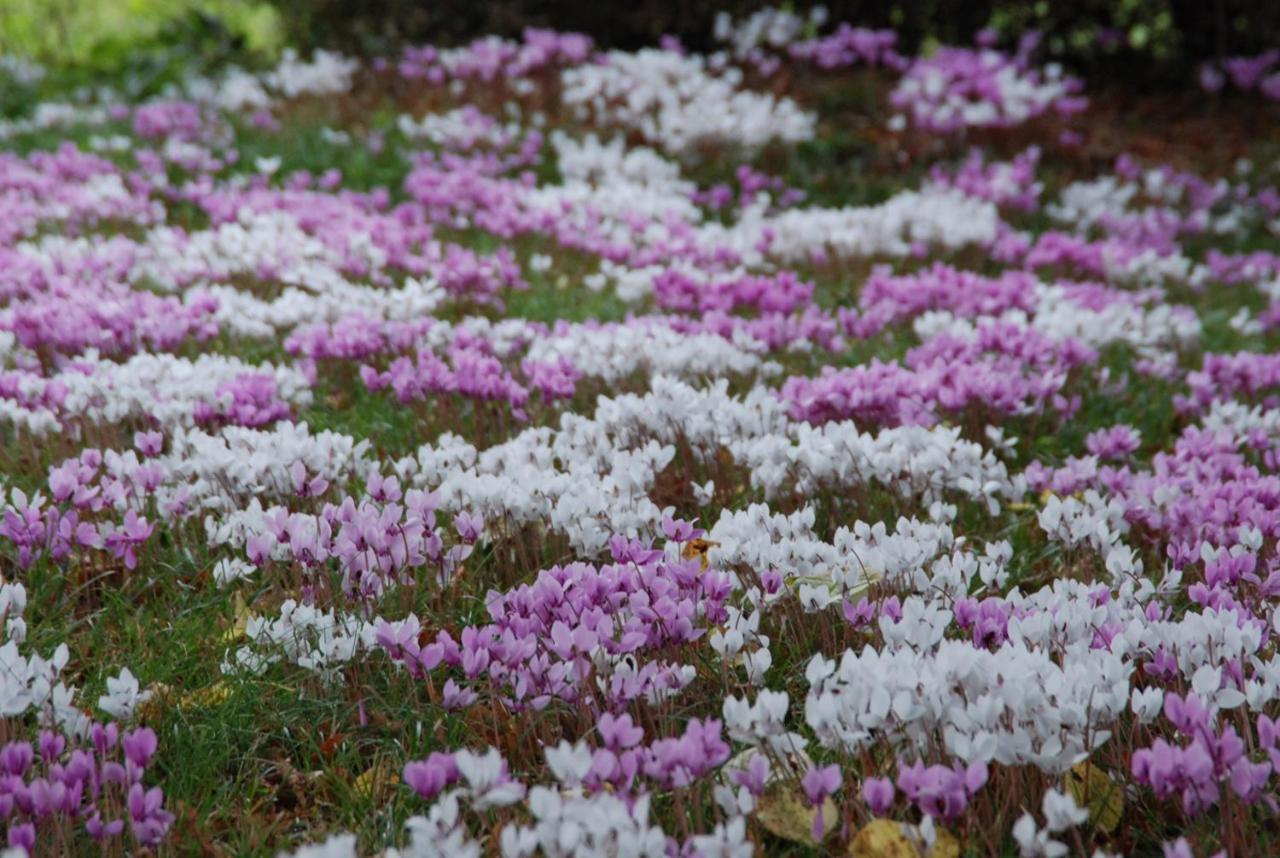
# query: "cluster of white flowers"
921 556
460 127
613 353
913 461
235 90
1061 814
1155 331
166 388
1093 521
1086 204
763 723
614 180
986 705
326 73
1015 706
218 472
680 102
160 386
336 846
53 115
321 642
22 69
1153 202
256 242
768 27
633 196
1011 94
1239 421
578 826
905 222
562 821
32 683
124 696
591 477
325 298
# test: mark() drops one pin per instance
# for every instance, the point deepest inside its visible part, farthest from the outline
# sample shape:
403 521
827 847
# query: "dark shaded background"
1148 42
1124 48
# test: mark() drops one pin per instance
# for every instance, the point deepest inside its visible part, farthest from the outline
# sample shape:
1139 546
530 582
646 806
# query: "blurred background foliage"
89 31
139 46
1145 43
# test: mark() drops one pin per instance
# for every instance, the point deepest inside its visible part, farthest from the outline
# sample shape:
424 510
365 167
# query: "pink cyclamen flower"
139 746
469 526
754 776
819 783
939 791
859 614
619 732
1211 78
148 819
23 837
679 530
148 443
123 541
428 777
878 793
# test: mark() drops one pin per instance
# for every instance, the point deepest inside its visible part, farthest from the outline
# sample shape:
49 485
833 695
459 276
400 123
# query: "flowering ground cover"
529 448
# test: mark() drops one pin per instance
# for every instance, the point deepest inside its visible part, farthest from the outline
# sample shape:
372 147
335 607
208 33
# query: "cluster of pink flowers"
492 59
848 45
1002 370
51 784
1245 73
544 637
1212 758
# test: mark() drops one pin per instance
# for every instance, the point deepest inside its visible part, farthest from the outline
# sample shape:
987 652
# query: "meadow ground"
805 449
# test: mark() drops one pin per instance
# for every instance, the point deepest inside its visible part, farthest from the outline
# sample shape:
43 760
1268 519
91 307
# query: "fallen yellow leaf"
164 696
206 698
376 780
784 811
240 620
885 838
882 838
1095 791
